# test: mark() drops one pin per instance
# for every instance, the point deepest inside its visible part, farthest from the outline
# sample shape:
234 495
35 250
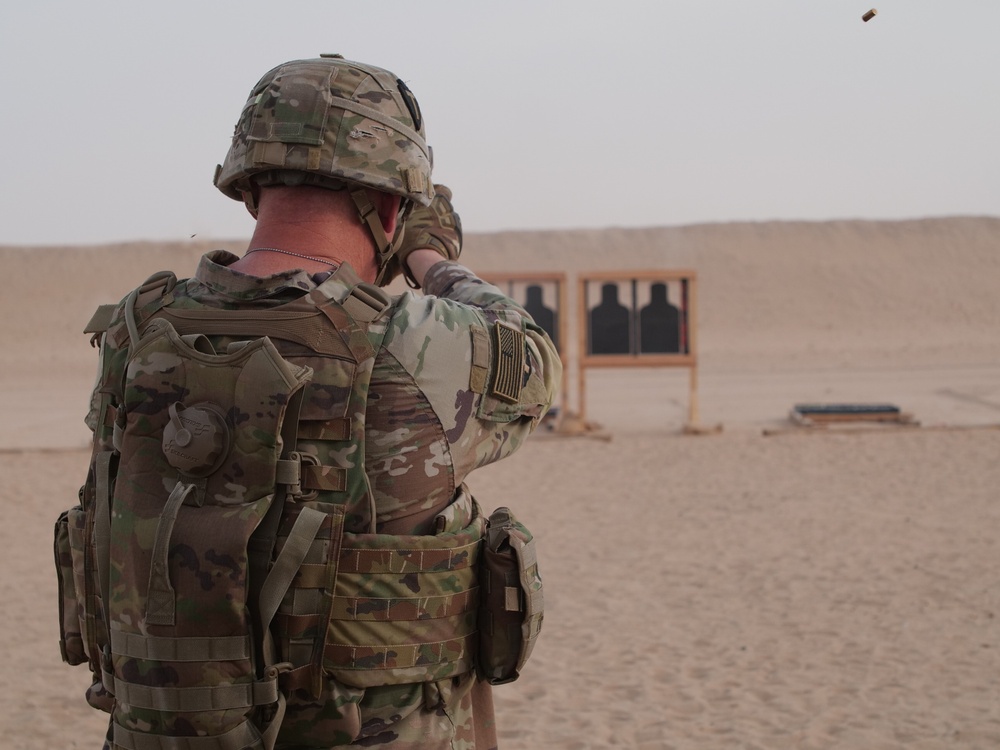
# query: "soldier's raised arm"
503 369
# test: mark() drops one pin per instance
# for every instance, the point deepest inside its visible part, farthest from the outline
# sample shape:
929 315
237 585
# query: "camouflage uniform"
430 422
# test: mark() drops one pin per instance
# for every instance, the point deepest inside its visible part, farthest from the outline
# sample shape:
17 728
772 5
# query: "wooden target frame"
686 357
506 282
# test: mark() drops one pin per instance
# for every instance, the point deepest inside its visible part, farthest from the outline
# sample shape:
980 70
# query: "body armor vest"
229 582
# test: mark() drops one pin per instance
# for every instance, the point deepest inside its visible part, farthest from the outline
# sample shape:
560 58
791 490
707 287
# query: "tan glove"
437 227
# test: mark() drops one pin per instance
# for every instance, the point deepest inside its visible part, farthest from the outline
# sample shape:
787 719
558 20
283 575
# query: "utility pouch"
69 566
511 603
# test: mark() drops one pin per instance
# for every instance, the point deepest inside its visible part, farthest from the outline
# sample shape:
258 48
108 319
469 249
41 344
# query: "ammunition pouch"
511 608
69 548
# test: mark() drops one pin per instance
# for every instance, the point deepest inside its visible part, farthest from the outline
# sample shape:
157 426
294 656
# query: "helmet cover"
332 123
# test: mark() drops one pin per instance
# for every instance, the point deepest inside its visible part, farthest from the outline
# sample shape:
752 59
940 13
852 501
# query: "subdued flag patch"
508 372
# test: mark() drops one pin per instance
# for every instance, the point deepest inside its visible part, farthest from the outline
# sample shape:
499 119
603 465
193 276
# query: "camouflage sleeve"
487 370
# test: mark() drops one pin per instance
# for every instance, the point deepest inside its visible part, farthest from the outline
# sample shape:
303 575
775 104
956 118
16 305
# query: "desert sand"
760 586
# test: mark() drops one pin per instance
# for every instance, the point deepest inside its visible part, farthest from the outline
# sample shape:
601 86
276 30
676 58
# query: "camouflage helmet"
333 123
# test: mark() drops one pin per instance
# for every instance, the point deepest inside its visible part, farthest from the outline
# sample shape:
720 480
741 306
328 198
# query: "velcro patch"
508 362
480 359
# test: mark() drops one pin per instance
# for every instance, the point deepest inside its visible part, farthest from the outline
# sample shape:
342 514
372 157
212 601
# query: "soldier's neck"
329 235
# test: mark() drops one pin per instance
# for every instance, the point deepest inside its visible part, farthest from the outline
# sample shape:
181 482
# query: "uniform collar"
215 274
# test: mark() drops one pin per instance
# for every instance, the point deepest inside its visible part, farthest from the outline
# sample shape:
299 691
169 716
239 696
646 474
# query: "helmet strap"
369 215
251 198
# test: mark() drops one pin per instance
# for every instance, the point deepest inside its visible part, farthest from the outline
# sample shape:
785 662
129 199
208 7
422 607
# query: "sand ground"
762 587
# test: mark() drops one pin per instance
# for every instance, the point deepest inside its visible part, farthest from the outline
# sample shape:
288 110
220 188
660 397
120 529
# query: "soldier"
329 156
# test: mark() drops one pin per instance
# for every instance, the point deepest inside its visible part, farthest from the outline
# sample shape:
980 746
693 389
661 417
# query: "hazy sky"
541 114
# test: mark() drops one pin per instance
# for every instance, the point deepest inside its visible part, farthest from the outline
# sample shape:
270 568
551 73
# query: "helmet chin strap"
250 200
369 215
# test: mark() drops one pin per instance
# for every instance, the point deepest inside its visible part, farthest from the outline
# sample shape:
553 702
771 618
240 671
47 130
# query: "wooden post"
581 348
563 343
692 333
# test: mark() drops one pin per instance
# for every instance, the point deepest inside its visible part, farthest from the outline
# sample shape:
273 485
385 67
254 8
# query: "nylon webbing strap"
290 422
535 603
310 477
283 572
270 734
142 302
306 327
288 472
296 626
261 544
423 608
366 560
160 600
159 648
351 332
366 303
311 576
369 215
324 478
102 523
335 428
241 737
371 113
366 658
218 698
107 669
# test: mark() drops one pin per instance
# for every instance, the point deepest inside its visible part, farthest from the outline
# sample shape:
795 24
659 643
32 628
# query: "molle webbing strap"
240 737
532 625
160 600
403 614
289 560
366 303
324 478
104 465
306 327
371 666
350 306
352 334
312 613
296 626
288 474
367 560
194 699
189 649
331 429
269 737
289 432
310 477
383 609
311 576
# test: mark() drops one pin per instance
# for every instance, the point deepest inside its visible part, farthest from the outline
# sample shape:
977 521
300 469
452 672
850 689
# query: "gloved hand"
437 227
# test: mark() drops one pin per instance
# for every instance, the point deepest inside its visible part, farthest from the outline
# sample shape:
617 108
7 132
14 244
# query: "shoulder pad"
100 321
